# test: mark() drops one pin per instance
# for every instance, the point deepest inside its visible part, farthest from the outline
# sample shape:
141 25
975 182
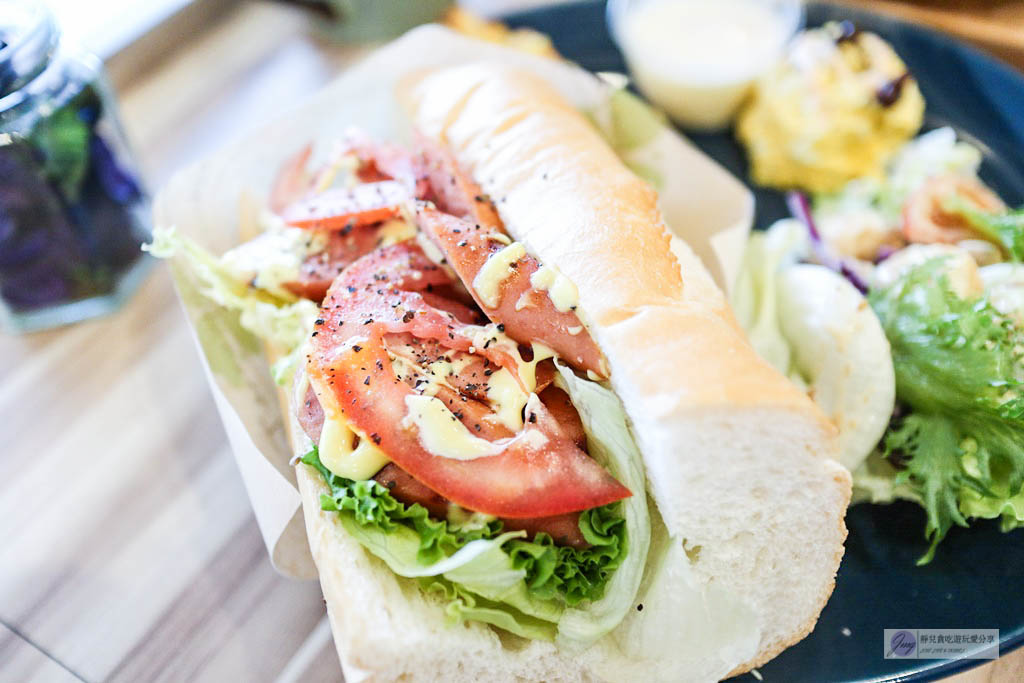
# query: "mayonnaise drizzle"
394 231
560 289
487 283
338 454
442 434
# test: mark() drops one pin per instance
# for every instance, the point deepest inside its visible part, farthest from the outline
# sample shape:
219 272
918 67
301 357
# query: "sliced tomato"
564 529
527 314
345 207
538 472
383 161
451 189
319 270
564 412
926 220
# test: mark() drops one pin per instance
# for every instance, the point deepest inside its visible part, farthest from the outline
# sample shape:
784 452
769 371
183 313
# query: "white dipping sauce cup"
697 59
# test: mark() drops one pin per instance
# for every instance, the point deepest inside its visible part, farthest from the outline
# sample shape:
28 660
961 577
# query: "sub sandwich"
531 440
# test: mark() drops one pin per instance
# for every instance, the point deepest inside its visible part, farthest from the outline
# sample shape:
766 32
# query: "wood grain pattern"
996 26
129 548
129 551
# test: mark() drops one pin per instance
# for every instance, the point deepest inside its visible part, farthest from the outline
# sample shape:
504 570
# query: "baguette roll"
747 496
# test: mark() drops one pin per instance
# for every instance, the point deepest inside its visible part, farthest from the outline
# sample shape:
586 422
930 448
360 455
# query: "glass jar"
72 212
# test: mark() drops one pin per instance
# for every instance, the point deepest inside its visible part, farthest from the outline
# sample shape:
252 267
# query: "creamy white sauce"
346 165
430 249
525 299
560 289
490 335
274 258
697 59
442 434
487 283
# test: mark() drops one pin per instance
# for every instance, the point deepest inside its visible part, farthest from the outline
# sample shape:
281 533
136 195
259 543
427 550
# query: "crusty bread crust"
740 463
386 629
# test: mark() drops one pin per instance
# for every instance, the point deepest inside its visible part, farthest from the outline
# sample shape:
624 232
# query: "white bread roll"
740 463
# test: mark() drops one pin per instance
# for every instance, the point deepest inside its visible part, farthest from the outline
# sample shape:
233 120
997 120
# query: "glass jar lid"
28 39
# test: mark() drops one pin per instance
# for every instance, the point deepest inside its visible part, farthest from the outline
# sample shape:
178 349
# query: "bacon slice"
293 180
527 314
319 270
452 190
531 476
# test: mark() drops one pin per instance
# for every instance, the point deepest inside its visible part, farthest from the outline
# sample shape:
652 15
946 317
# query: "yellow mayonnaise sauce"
340 454
560 289
444 435
487 283
275 258
394 231
441 433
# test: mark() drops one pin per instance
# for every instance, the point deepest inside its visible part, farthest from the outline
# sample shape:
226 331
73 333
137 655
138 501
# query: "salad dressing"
697 59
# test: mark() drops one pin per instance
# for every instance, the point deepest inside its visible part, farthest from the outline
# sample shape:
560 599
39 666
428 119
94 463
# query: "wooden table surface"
129 550
996 26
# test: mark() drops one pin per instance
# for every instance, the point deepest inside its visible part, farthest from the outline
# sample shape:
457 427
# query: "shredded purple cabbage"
800 207
884 252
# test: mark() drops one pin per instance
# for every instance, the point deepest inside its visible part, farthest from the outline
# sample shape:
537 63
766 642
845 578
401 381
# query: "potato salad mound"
835 108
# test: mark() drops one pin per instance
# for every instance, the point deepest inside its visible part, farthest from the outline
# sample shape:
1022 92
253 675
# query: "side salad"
899 303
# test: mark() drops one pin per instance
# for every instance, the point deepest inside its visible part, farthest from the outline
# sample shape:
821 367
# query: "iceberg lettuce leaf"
285 322
610 443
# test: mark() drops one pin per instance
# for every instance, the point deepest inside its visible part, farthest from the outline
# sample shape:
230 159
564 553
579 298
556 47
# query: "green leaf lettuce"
960 448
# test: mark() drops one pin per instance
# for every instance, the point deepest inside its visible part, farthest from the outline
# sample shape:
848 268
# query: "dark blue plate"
975 579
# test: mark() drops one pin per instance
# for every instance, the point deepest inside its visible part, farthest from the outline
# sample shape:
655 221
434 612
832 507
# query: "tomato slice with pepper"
537 471
319 270
527 314
564 529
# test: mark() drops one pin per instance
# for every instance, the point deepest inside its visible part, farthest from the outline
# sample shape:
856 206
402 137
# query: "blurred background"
257 55
130 550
